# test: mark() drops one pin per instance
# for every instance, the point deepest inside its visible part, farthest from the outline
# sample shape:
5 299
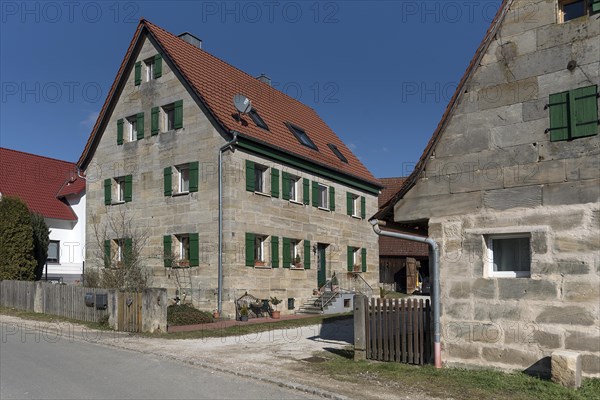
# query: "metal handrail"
344 284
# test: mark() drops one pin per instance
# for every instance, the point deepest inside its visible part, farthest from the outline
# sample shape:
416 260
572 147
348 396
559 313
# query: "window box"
183 263
259 263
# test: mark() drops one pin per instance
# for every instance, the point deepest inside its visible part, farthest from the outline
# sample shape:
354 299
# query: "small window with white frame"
323 196
120 189
119 251
355 202
149 64
183 250
356 258
183 178
131 128
168 117
509 255
53 252
295 256
260 250
260 178
294 189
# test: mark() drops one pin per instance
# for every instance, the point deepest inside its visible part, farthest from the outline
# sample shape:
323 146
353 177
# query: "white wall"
71 235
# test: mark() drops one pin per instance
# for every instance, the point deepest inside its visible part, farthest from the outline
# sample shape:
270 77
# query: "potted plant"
244 313
216 314
297 261
275 314
259 263
183 263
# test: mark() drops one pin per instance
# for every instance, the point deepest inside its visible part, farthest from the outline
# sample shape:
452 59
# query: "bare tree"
119 247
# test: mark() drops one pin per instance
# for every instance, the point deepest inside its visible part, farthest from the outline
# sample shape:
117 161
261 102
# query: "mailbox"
101 301
89 299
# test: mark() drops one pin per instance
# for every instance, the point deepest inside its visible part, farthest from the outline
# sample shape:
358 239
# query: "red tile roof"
41 182
215 82
386 210
389 246
390 188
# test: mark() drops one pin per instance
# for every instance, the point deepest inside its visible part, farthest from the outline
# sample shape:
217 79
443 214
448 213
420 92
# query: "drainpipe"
226 146
435 297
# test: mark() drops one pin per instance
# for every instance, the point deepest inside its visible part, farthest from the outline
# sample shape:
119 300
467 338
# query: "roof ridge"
39 156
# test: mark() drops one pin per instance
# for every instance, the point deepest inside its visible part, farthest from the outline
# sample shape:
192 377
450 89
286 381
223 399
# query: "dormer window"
301 136
254 116
337 152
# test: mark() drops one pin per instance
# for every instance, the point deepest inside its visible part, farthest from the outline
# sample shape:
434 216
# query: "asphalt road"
61 369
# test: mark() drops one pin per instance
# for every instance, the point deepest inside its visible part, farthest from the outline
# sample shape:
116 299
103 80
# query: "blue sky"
379 73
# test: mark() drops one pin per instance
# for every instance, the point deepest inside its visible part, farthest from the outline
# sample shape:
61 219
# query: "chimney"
265 79
191 39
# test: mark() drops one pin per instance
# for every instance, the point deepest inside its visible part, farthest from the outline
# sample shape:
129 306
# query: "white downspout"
226 146
435 296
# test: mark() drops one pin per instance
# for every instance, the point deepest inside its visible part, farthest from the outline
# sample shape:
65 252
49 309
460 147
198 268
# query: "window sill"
263 267
511 274
296 202
297 269
117 202
179 194
356 216
324 209
262 194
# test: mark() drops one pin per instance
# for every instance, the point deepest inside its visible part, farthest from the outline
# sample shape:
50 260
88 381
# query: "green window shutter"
167 251
120 131
154 121
140 126
331 198
315 194
107 255
138 73
274 252
306 191
287 251
128 250
250 176
194 176
363 207
595 6
157 66
107 191
194 250
128 188
285 186
350 258
274 182
583 105
307 254
178 119
168 183
363 259
559 116
349 203
249 249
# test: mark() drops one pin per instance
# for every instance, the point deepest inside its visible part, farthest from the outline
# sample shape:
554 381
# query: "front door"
321 264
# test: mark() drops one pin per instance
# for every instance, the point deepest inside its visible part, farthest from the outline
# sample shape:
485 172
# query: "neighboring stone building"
393 253
52 189
509 187
295 198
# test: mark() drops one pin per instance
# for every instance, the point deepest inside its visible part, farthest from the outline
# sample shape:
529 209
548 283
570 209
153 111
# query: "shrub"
16 240
185 314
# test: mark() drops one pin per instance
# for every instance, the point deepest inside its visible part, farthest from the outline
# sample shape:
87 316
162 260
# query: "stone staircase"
314 304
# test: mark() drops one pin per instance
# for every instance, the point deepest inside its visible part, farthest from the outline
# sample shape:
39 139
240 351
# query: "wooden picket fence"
130 312
17 294
399 330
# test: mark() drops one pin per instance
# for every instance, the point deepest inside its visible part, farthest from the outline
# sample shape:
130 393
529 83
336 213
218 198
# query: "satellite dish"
242 103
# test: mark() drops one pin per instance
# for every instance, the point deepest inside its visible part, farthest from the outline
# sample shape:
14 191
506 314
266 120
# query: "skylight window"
337 152
253 114
301 135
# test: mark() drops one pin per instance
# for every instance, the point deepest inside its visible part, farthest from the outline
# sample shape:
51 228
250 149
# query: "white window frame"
490 256
356 205
120 189
260 248
120 247
57 261
295 189
184 247
561 13
356 258
183 172
168 117
149 66
295 251
131 128
323 196
263 171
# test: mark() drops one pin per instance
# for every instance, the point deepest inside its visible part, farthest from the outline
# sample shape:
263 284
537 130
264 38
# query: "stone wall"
156 215
495 171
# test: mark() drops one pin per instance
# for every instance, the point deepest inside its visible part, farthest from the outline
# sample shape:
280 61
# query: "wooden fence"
398 330
63 300
17 294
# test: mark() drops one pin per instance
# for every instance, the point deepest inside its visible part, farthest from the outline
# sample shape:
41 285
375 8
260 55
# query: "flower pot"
216 315
276 314
244 318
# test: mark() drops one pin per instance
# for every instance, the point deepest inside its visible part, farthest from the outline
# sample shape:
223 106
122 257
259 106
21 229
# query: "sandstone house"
509 186
269 201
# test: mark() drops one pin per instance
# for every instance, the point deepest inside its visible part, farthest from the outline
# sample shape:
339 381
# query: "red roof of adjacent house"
390 188
387 208
216 82
41 182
